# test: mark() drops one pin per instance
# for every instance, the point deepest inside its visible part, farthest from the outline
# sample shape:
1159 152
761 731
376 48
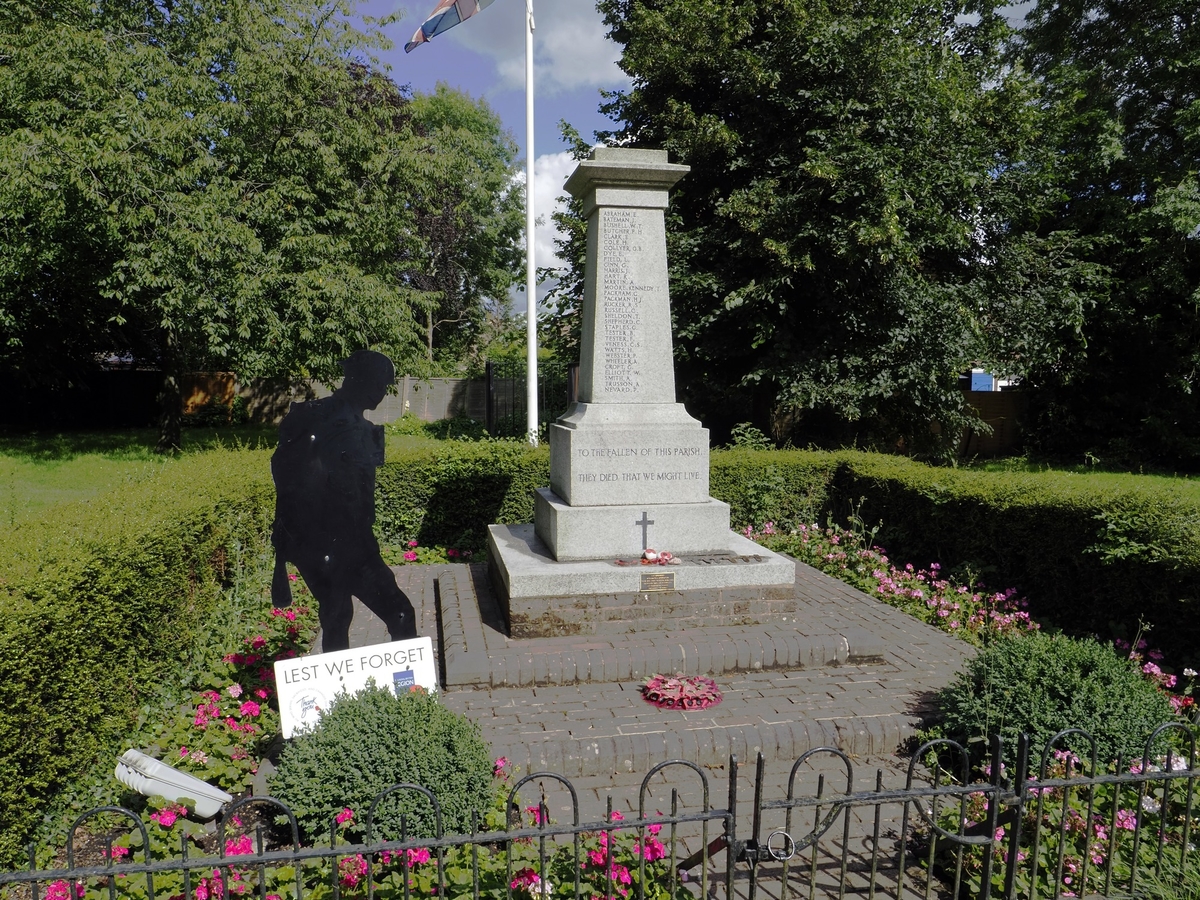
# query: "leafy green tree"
471 220
860 224
561 326
1127 77
206 184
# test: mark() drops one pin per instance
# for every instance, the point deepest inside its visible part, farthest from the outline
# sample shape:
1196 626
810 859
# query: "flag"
445 16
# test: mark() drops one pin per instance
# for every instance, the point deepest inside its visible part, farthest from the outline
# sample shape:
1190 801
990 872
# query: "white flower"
1190 673
1150 805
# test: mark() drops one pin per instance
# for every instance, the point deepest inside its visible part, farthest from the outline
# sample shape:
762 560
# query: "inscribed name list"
623 294
307 685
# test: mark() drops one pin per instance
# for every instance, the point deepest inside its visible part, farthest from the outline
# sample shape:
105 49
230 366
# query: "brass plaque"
658 581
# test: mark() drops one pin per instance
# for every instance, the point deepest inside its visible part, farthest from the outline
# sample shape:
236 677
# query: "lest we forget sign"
307 685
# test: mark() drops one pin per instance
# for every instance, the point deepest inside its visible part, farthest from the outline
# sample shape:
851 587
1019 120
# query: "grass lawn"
1188 484
41 469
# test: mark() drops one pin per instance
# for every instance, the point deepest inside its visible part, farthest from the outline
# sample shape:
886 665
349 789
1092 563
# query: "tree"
471 220
860 224
1126 77
211 184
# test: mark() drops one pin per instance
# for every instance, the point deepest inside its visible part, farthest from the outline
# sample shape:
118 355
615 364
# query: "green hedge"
1092 552
447 493
99 603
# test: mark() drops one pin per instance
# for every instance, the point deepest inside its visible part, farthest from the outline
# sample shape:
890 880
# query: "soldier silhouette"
324 471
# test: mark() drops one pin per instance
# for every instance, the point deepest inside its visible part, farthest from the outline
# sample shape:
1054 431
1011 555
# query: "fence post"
731 845
1014 836
993 819
489 402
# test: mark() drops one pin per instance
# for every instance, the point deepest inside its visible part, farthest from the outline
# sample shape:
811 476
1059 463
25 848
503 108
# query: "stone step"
598 729
476 652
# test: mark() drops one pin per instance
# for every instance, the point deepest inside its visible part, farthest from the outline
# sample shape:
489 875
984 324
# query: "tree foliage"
1126 77
214 184
472 222
861 219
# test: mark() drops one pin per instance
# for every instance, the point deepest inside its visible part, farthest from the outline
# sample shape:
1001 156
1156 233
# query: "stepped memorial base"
740 583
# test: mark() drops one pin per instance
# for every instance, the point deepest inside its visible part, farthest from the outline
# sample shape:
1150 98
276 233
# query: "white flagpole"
531 403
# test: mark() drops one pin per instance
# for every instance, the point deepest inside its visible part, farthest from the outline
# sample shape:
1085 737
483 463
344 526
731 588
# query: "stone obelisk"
628 465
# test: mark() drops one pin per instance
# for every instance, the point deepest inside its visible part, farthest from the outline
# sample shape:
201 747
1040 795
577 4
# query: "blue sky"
485 57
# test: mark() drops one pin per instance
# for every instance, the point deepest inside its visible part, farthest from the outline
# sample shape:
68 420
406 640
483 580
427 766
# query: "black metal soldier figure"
324 471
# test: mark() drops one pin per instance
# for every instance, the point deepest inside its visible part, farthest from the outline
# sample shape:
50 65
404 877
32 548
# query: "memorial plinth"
628 465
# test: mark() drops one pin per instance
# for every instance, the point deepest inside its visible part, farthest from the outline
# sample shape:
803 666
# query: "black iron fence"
505 387
1032 826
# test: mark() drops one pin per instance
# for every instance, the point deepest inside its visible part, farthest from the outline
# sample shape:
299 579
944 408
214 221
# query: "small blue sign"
403 681
981 381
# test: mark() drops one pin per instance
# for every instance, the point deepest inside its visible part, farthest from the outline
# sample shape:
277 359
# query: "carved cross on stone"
644 523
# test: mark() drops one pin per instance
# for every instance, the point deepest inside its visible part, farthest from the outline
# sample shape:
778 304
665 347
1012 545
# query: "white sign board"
308 684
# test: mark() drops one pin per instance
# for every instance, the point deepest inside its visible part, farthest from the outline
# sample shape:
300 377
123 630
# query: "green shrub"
101 603
1095 553
373 740
1041 685
448 493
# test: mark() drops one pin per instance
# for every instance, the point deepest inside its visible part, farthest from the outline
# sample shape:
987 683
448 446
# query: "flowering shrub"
223 732
532 869
1073 835
925 594
410 552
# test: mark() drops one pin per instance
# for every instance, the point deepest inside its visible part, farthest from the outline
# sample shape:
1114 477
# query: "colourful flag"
445 16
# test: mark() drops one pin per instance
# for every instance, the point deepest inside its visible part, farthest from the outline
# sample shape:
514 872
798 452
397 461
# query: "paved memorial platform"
847 671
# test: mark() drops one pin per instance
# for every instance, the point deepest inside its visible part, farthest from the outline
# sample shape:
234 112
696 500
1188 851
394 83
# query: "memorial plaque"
658 581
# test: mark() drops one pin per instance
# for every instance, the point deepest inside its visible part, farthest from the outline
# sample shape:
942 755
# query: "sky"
485 57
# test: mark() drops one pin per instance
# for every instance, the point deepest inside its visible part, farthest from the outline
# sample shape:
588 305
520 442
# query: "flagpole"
531 403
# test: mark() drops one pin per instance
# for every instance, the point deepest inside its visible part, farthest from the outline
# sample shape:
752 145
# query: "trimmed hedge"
1092 552
99 602
447 493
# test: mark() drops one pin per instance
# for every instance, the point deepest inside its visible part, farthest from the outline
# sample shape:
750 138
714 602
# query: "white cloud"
550 172
571 49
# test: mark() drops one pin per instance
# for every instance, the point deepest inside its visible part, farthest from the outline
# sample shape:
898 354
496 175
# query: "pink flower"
528 880
234 691
499 767
451 553
351 870
262 694
410 556
346 815
243 845
616 816
1126 820
653 849
258 642
183 751
167 816
418 857
535 813
412 543
291 577
61 890
249 708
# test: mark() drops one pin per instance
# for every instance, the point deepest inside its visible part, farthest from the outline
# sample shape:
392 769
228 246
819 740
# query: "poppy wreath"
681 691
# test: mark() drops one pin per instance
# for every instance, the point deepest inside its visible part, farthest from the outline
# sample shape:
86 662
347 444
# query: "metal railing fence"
1046 826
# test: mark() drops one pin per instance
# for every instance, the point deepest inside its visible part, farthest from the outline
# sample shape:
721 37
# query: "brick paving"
849 673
